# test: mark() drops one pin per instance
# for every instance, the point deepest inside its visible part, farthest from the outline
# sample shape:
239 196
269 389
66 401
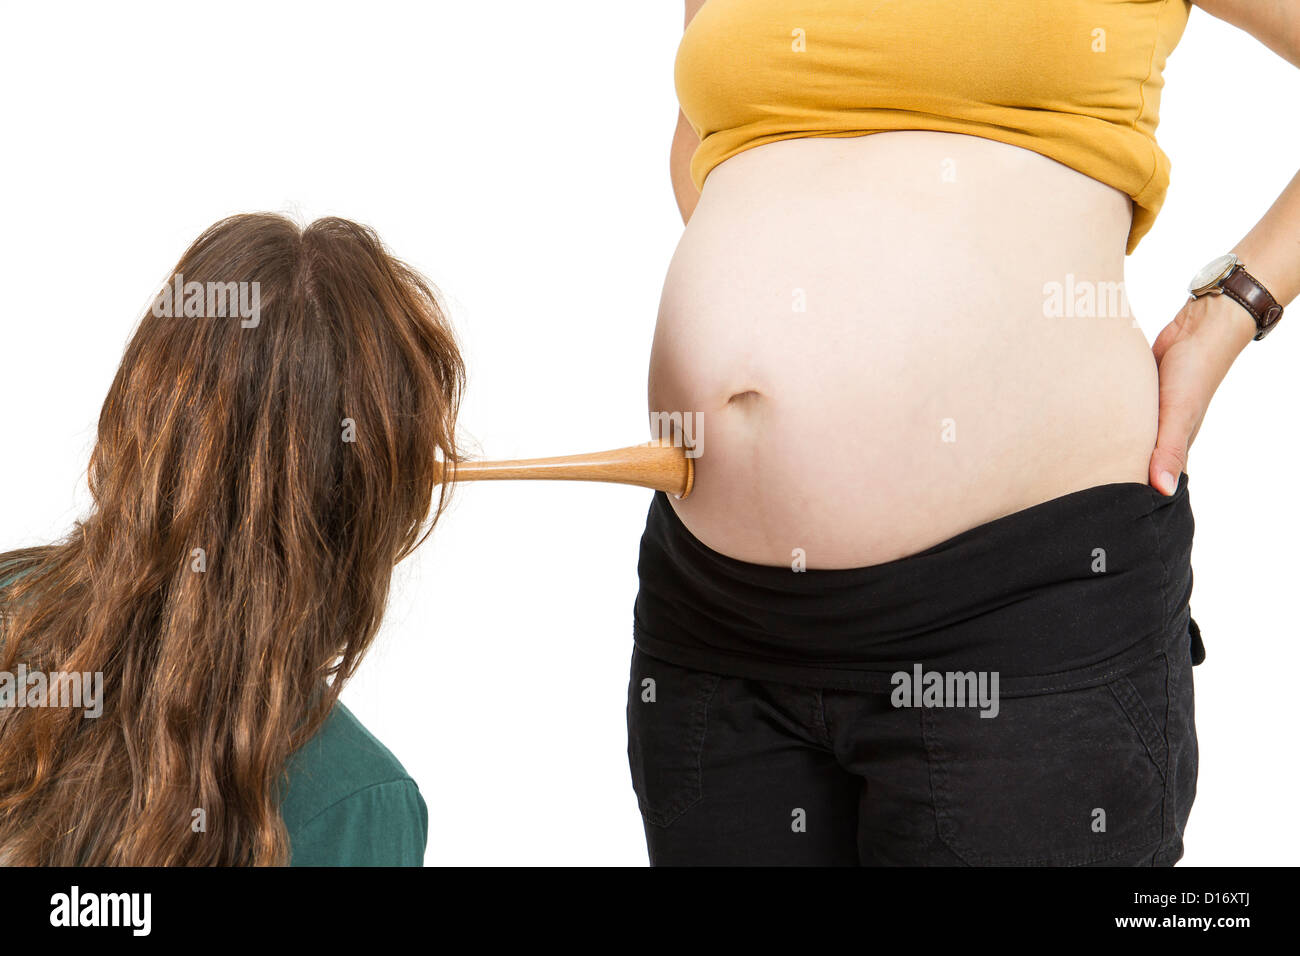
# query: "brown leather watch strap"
1241 286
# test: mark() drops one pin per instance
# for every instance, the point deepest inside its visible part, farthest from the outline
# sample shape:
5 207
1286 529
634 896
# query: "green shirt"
349 801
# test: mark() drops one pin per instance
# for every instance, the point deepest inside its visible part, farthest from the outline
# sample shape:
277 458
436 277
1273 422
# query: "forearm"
1271 253
1195 351
1271 250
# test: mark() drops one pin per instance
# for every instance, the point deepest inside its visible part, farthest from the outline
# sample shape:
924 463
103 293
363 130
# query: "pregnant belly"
880 342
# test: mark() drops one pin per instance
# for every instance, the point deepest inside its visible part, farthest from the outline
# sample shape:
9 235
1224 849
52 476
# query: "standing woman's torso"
895 337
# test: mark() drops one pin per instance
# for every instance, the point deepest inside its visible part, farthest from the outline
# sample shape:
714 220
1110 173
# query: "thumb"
1169 460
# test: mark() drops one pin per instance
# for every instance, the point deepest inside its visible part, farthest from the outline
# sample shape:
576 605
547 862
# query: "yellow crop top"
1078 81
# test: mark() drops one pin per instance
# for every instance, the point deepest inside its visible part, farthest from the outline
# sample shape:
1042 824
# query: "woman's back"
270 448
347 800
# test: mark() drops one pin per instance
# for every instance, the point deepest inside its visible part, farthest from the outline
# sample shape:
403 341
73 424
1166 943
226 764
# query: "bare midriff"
883 341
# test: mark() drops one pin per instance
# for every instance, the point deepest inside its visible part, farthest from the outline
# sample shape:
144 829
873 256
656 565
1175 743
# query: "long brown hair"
253 485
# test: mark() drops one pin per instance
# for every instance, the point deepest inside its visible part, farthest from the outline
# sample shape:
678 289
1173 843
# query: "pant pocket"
667 718
1198 645
1064 779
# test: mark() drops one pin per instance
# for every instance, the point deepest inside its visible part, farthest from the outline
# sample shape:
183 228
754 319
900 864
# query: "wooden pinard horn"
658 464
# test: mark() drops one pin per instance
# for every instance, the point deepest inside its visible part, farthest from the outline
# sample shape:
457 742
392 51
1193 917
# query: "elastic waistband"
1065 594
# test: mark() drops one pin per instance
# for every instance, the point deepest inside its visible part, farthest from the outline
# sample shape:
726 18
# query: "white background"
517 154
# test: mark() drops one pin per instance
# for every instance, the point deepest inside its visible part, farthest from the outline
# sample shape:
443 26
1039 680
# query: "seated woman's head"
268 449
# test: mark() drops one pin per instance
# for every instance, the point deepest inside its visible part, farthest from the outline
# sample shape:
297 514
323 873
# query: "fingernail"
1168 483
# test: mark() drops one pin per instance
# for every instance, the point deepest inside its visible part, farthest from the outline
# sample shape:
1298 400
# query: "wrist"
1220 318
1226 278
1278 278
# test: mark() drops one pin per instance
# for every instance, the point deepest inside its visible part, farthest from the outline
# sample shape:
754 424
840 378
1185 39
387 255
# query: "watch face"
1213 271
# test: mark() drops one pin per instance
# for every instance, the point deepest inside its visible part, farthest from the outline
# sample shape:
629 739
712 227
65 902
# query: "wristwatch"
1227 276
